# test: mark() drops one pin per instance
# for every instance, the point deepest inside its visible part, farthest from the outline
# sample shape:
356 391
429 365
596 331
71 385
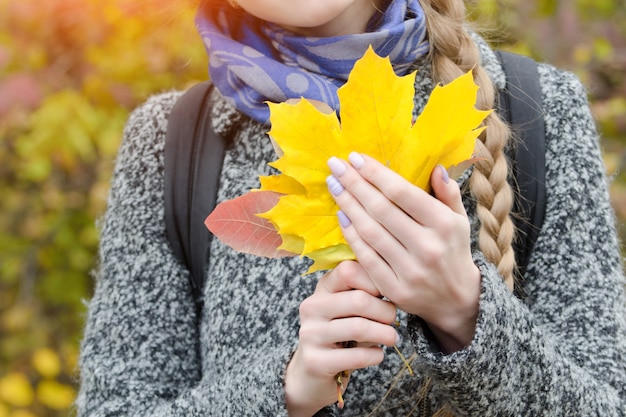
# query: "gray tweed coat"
559 351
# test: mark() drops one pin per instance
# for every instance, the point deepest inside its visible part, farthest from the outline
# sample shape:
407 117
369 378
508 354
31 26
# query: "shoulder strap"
193 162
520 104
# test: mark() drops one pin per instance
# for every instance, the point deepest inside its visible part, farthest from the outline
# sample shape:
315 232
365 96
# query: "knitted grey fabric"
559 351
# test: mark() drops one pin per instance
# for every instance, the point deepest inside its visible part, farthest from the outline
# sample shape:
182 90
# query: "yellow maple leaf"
376 119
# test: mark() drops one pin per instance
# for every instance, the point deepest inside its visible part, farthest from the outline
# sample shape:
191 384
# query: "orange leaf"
235 222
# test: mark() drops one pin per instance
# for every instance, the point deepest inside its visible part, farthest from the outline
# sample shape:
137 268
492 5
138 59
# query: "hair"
453 53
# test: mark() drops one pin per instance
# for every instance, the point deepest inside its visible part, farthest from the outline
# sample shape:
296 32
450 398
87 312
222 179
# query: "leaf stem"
406 363
339 380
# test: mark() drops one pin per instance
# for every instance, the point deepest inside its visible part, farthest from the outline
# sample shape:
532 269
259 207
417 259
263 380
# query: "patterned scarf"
279 64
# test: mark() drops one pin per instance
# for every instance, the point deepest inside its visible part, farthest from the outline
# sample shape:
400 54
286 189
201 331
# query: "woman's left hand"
414 247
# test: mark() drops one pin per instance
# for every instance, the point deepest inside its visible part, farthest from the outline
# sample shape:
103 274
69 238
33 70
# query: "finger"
399 224
348 275
330 362
377 221
357 357
354 303
447 191
359 329
416 202
373 197
371 260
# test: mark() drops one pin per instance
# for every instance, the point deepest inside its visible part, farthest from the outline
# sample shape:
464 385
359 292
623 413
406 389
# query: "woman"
271 342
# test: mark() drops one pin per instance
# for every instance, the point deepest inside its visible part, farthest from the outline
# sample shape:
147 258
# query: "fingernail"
334 186
444 174
336 165
344 221
398 338
356 159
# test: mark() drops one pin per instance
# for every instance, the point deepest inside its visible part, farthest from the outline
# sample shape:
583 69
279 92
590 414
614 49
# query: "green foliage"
71 70
587 37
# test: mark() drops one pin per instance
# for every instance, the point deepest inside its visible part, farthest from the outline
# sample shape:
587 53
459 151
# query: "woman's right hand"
345 306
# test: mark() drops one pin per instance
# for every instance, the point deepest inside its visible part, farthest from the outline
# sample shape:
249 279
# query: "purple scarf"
281 64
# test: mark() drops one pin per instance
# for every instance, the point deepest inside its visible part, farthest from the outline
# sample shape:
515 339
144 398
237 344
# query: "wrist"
455 328
451 342
297 399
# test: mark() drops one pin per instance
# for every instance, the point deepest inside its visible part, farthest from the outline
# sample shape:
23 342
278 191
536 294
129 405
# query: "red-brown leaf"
235 223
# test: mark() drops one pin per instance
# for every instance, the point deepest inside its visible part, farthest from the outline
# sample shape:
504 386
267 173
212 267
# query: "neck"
351 21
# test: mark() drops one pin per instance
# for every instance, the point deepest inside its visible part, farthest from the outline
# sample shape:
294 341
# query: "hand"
414 247
345 306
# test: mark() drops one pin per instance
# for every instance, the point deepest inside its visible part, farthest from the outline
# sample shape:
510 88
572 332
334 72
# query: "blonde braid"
453 53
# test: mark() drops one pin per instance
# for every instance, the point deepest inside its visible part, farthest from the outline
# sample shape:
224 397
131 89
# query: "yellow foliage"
69 353
16 318
15 389
46 362
376 119
67 85
55 395
22 413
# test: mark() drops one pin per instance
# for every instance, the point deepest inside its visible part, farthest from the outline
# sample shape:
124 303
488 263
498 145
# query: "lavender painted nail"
344 220
334 186
444 174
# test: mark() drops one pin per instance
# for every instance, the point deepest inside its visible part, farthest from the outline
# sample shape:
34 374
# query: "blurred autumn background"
70 72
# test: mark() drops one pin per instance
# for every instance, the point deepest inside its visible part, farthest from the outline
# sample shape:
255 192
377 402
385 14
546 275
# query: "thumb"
446 190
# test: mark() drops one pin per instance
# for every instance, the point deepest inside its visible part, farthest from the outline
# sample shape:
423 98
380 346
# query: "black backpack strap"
520 104
194 153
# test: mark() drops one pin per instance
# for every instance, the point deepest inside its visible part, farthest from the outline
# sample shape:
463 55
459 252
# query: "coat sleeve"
561 349
140 349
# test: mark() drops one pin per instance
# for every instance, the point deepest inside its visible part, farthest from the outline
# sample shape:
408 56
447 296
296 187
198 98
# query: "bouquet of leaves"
293 214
